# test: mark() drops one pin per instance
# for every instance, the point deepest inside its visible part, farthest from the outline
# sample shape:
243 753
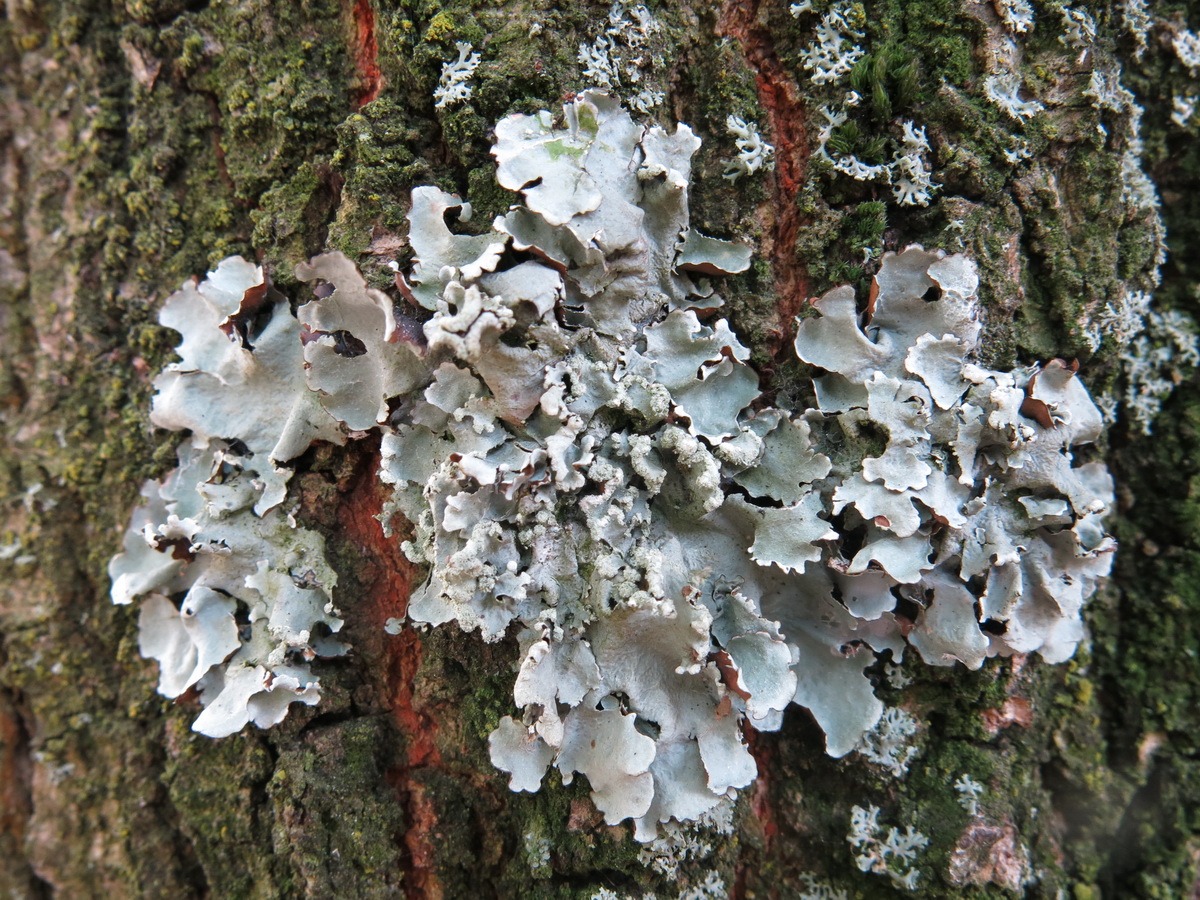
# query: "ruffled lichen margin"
78 715
586 465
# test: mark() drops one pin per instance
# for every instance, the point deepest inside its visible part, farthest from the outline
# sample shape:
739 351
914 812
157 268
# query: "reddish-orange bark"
387 578
366 54
780 97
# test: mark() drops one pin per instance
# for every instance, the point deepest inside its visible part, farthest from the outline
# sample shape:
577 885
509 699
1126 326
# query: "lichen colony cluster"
582 459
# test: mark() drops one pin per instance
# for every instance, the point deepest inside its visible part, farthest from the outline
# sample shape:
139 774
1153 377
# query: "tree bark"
143 141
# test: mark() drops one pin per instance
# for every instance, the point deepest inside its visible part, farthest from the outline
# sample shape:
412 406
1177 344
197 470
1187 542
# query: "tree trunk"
145 140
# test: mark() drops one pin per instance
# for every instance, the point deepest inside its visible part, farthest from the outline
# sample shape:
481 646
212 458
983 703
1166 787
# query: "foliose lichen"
236 598
589 467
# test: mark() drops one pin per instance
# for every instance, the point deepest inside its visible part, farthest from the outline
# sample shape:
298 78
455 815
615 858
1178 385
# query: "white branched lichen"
1003 89
588 467
1138 190
835 51
1155 362
1157 348
837 46
452 86
754 154
1079 28
711 888
1184 108
1186 45
911 183
814 889
896 676
1017 15
1018 154
889 743
678 843
1122 321
1107 91
1136 19
623 57
969 791
883 850
1152 360
908 172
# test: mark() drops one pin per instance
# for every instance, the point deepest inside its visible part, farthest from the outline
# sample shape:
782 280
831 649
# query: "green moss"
336 816
440 29
216 787
292 215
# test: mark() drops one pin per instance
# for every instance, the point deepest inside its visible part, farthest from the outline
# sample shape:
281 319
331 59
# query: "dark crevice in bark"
218 132
327 720
16 787
1143 810
187 860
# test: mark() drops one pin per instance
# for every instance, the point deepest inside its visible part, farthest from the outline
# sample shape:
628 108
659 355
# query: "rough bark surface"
141 141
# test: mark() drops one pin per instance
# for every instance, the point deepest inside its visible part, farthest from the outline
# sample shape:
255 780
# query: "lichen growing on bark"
584 462
79 339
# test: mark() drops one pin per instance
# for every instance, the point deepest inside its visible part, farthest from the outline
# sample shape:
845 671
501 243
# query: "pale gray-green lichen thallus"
256 592
588 466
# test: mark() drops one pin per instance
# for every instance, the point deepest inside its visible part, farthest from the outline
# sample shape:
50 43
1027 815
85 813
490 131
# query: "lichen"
255 589
588 465
625 58
452 85
754 154
969 791
836 48
885 850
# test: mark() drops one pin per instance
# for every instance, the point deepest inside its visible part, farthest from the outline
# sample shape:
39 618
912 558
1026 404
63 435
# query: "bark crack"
388 577
779 95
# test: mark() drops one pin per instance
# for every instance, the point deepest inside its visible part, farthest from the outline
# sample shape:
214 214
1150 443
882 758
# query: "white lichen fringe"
1157 349
969 791
1136 19
1017 15
838 42
589 468
1079 28
883 850
623 57
830 57
815 889
452 86
889 744
754 154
